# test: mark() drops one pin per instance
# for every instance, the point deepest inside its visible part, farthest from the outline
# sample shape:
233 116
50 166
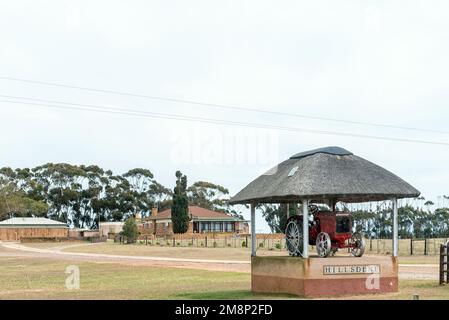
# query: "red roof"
196 212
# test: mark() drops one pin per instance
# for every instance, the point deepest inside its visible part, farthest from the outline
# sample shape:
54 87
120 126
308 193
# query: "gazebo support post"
305 228
253 230
395 227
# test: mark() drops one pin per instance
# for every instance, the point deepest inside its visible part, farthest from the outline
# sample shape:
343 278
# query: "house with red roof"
201 220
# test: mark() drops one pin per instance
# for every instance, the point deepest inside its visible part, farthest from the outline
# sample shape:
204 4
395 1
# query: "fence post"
146 240
174 241
425 246
226 242
446 249
246 241
411 246
441 264
206 243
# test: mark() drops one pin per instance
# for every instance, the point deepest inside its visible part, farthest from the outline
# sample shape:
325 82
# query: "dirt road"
406 271
18 250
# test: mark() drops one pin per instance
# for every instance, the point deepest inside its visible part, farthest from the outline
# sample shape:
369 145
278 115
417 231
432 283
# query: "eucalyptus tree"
209 195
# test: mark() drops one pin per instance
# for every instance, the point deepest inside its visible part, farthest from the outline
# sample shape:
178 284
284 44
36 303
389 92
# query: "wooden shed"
16 228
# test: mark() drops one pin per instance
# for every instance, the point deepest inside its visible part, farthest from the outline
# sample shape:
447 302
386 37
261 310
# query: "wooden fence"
405 246
444 267
263 243
277 242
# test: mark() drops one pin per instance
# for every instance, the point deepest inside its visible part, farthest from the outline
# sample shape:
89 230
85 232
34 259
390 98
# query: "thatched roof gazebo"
326 175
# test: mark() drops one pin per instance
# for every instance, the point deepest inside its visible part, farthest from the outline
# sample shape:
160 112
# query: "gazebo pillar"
305 228
253 230
395 227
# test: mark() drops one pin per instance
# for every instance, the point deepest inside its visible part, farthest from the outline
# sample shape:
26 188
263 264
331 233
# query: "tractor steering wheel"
313 208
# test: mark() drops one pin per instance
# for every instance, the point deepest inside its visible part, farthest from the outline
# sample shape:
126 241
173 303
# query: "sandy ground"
10 249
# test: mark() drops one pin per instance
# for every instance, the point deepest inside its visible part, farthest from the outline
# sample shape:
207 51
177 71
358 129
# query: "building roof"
32 222
327 173
199 213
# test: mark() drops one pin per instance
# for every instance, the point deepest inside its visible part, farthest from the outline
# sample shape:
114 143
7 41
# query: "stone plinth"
317 277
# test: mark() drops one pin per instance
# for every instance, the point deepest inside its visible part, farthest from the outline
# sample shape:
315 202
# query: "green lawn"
37 278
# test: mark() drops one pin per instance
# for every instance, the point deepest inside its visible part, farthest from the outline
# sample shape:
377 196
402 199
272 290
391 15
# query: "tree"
18 205
180 207
141 181
130 230
209 195
276 216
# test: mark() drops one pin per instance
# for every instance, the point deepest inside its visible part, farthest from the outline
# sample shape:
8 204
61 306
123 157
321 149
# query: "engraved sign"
352 269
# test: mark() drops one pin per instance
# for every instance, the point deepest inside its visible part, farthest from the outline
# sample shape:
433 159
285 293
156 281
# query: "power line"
222 106
113 110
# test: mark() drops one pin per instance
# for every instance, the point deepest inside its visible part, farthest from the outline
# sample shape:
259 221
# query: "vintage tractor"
329 231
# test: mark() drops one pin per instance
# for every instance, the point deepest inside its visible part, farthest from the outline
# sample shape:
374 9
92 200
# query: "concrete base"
317 277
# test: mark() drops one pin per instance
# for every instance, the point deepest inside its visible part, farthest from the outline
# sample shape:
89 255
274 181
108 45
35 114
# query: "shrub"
261 245
229 245
178 244
130 230
244 244
215 244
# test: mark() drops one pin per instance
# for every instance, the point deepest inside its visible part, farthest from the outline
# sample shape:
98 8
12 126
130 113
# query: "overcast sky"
383 62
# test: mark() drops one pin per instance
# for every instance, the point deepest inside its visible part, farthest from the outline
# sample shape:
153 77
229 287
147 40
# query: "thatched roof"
322 174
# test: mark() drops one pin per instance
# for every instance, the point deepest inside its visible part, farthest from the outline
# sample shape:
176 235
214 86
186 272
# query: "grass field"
37 278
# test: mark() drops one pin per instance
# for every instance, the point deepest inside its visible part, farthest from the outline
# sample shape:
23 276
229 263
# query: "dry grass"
37 278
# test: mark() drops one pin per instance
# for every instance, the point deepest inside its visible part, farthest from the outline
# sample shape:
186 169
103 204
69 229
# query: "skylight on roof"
293 171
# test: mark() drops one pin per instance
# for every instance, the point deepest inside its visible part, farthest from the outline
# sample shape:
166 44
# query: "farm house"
201 221
15 229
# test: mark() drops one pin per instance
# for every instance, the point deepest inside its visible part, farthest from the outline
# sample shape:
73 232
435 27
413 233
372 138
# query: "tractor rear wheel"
323 244
294 237
358 243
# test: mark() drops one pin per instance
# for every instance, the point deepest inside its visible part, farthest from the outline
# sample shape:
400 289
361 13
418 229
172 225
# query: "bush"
215 244
229 245
157 243
168 243
130 230
178 244
202 244
190 244
261 245
278 245
244 244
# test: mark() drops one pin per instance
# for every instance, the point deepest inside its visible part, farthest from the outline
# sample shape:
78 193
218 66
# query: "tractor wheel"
323 244
294 237
358 242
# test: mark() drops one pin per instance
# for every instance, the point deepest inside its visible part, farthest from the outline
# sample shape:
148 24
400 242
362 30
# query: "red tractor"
329 231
